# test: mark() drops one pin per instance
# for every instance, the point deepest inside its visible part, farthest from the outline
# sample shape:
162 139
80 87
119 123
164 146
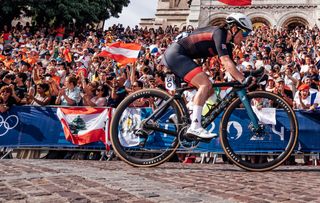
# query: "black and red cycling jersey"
201 43
206 42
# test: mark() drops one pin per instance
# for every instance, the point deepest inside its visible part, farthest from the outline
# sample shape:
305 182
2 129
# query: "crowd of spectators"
57 66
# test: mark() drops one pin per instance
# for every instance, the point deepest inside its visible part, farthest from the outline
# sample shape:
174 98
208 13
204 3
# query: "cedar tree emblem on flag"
85 125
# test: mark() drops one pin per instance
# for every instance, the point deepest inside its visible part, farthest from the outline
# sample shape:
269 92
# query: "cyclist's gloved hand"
247 81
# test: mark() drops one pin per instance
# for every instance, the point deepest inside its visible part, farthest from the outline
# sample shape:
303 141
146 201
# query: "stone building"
201 13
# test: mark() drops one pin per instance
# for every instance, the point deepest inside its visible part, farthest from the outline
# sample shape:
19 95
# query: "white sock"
196 117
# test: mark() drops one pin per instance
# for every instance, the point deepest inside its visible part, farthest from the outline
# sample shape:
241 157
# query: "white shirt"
246 63
288 81
304 68
306 101
258 64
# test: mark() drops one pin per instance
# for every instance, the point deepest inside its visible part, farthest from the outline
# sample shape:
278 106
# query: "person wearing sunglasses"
206 42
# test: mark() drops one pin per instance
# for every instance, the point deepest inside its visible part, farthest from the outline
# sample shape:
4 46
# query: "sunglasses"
99 90
244 32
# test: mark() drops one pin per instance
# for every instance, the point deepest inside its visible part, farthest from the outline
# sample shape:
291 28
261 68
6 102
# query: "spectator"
6 98
291 78
305 100
7 79
99 100
283 91
270 85
21 88
305 67
118 92
40 98
247 61
69 95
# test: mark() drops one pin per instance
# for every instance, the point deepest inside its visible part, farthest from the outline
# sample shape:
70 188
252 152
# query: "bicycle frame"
237 90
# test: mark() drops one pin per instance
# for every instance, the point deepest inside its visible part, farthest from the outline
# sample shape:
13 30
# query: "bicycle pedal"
196 138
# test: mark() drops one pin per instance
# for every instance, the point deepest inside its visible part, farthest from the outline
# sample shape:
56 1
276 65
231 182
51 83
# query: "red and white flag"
122 52
237 2
85 125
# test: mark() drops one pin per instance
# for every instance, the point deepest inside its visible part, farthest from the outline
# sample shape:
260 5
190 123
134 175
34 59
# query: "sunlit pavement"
115 181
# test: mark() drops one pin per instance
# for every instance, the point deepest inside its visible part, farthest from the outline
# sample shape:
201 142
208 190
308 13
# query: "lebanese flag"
237 2
123 53
85 125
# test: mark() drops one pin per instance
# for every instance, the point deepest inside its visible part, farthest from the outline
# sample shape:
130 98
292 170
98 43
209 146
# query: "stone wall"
201 13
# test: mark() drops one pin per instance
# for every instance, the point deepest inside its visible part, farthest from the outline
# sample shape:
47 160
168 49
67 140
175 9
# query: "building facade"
201 13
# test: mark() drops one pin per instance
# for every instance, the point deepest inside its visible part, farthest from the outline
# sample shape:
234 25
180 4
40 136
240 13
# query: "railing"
35 127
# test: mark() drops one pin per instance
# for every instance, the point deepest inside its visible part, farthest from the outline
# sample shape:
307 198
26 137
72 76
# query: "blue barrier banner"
31 126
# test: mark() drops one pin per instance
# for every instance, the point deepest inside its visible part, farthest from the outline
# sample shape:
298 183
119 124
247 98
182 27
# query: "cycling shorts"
176 59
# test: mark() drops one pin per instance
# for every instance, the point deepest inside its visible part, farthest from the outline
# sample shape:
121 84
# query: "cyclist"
206 42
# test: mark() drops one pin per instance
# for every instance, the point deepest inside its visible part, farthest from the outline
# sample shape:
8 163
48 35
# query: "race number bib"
169 81
181 36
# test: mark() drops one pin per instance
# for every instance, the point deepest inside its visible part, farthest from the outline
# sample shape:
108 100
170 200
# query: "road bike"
258 130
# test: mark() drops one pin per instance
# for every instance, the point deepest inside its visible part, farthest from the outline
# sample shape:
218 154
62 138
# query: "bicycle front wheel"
144 128
260 149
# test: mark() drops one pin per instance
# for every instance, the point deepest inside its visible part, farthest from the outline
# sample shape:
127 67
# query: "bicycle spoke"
146 124
263 148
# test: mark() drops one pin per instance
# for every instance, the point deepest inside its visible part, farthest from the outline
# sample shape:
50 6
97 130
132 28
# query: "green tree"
10 9
82 12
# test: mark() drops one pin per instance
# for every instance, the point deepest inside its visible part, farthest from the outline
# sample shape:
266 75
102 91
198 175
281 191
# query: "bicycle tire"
121 151
237 157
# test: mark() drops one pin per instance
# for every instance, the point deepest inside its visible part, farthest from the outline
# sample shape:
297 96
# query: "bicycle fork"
245 101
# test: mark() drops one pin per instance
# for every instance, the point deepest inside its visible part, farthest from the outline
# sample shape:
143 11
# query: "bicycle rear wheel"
133 140
263 149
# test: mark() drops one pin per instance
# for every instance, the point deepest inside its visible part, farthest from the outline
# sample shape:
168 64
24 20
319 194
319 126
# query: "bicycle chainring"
184 141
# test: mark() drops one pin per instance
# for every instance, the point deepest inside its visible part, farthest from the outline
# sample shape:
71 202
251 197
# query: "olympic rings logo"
8 125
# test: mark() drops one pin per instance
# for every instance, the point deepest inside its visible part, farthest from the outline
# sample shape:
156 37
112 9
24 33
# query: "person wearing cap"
270 85
283 91
80 68
305 100
67 53
32 57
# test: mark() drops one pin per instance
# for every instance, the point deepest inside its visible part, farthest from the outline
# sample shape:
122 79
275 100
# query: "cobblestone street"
94 181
